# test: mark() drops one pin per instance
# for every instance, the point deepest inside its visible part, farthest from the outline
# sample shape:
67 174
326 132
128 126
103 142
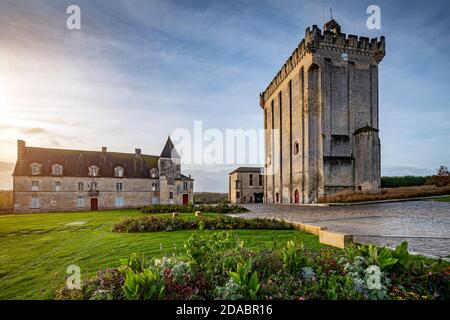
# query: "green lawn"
442 199
35 250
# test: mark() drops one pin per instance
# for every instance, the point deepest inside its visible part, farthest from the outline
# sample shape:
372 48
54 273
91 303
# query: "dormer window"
93 171
118 172
35 169
57 170
154 173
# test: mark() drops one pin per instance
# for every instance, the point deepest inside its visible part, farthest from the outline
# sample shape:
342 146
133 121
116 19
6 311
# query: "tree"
443 172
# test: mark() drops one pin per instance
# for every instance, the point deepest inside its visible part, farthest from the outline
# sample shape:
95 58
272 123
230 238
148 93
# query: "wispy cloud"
36 130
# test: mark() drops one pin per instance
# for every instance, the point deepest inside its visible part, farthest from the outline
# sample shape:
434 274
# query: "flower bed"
221 208
217 266
157 224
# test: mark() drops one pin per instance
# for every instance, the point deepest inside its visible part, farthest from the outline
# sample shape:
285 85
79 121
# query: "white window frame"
82 186
37 166
57 170
35 203
119 172
154 173
185 186
34 185
57 186
119 202
81 202
119 186
154 186
93 171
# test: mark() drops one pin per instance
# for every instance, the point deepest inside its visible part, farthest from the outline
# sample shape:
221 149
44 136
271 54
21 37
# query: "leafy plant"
402 255
383 258
293 257
248 282
135 263
144 285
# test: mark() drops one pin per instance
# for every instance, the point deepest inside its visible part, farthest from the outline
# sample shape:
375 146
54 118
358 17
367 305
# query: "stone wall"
135 193
319 100
246 191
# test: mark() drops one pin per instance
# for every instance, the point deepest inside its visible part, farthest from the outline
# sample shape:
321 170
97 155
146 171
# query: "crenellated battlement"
331 39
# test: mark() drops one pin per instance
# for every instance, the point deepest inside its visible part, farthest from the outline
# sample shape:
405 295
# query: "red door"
185 199
296 196
94 204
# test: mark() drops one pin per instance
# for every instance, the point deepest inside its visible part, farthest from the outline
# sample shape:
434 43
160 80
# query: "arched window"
118 172
57 170
93 171
35 168
296 148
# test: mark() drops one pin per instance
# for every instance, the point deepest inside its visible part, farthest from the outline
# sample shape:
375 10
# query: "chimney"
20 149
137 152
104 149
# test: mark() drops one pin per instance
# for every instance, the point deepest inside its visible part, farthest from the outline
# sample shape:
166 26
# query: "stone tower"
169 167
321 118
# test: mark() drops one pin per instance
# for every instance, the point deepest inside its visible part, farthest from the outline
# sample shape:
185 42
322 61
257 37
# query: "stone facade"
321 118
246 185
122 180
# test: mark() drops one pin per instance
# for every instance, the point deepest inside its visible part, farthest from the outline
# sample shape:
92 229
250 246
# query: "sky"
140 69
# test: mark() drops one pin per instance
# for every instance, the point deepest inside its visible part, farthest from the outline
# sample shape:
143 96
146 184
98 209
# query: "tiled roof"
76 163
169 150
183 177
248 169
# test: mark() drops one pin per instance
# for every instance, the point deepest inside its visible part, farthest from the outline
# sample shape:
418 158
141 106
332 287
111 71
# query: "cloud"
36 130
406 171
7 167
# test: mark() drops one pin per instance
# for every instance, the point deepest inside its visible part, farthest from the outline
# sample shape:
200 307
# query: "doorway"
185 199
296 196
94 204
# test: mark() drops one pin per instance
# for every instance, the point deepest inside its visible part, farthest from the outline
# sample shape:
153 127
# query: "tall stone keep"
321 118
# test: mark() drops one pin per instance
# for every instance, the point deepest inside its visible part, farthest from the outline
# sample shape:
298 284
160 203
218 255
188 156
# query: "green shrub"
213 253
158 224
402 181
220 208
145 285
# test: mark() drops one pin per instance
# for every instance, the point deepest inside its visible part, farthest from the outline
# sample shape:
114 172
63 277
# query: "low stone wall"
335 239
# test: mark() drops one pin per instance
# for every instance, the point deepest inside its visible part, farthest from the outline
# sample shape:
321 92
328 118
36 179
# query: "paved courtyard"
424 224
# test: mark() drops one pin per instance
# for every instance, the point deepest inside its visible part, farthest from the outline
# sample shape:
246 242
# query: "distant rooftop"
247 169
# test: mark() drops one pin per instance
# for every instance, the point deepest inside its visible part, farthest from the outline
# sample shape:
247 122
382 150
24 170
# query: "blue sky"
138 70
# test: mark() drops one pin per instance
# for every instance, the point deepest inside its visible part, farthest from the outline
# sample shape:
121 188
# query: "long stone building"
246 185
321 118
56 180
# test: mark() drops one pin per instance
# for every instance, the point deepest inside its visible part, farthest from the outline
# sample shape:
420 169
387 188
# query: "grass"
385 194
442 199
36 249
